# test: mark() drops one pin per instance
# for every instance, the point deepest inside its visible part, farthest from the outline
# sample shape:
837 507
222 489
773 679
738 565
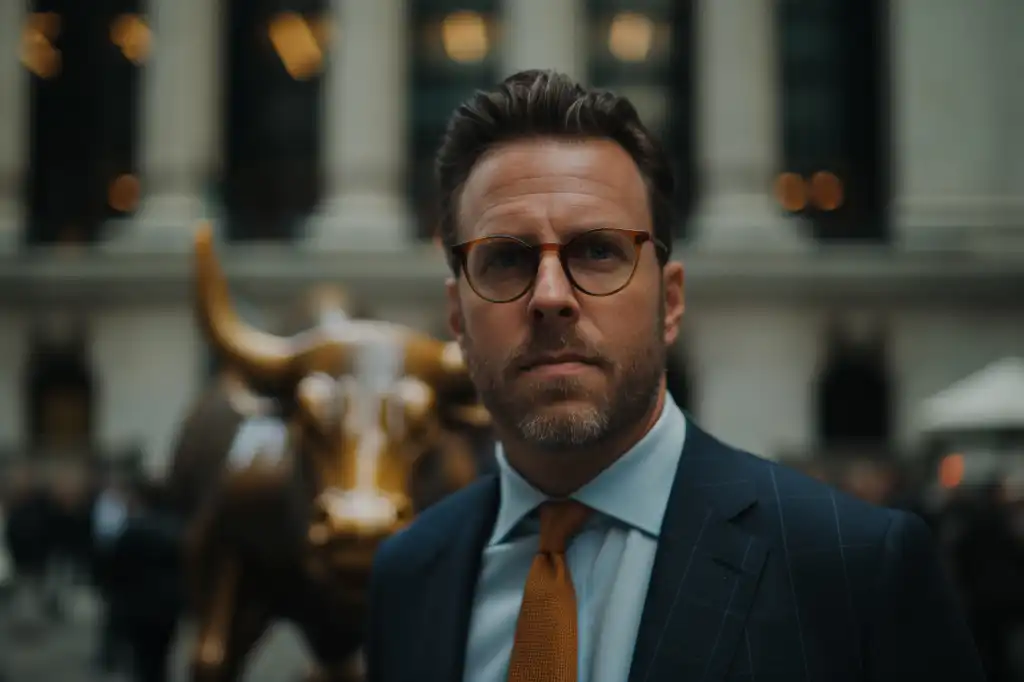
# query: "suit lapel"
449 580
705 571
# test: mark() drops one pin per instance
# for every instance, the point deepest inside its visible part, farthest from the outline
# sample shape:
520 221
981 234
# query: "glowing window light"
631 36
131 34
38 53
296 45
464 37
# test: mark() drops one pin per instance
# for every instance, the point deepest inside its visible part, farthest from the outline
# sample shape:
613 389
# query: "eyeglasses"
600 262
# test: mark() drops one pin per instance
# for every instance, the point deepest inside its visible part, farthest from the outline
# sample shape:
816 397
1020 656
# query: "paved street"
64 652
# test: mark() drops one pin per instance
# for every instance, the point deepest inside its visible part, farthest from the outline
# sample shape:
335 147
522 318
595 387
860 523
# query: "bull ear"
317 403
473 416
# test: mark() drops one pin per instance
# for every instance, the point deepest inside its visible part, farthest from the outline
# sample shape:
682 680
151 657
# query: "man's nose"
554 297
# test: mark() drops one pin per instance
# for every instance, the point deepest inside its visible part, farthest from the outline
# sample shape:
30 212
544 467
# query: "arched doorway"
60 395
854 401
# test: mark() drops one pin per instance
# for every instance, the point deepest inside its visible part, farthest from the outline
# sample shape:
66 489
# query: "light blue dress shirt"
610 560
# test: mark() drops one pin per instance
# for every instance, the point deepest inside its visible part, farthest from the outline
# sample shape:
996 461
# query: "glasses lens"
500 268
601 261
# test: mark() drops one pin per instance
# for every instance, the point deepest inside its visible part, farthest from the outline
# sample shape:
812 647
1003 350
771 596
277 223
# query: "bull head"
364 445
359 438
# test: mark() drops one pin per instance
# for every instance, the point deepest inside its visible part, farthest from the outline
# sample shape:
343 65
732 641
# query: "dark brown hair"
540 103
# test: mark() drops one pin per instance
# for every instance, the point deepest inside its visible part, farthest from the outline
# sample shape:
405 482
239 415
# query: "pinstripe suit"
760 574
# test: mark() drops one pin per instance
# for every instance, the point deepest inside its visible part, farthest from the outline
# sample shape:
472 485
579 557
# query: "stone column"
958 173
1009 23
180 149
365 150
15 345
782 348
544 34
739 135
14 104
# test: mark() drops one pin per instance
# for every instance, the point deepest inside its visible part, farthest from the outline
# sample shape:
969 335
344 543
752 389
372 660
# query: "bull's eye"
317 397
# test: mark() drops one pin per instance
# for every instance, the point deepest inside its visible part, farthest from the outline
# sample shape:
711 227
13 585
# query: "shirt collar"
634 490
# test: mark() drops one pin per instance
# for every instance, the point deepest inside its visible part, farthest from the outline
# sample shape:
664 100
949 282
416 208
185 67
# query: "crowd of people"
114 534
980 532
119 536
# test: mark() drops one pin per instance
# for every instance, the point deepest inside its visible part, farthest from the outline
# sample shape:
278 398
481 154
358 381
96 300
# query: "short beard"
632 392
579 428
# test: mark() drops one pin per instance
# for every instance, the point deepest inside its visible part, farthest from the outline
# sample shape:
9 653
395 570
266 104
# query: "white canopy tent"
990 399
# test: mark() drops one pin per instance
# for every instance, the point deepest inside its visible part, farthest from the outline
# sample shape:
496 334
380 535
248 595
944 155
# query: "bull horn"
257 355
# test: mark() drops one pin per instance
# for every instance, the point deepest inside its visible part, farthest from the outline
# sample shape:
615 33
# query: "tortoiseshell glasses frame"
604 274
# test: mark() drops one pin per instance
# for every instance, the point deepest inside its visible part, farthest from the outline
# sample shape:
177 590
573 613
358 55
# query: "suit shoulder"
434 526
821 507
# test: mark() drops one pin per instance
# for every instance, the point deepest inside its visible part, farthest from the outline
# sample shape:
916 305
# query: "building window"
272 118
454 51
644 50
834 116
84 63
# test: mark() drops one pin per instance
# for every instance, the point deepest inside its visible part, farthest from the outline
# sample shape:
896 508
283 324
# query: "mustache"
545 345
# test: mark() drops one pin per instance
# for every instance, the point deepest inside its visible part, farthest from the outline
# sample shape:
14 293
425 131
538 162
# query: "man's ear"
674 287
454 305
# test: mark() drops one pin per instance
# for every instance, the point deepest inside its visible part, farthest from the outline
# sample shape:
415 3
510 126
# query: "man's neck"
561 474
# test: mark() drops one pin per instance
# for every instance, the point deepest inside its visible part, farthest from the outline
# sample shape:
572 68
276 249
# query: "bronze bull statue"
290 488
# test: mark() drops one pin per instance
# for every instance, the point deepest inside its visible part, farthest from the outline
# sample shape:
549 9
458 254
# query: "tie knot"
559 522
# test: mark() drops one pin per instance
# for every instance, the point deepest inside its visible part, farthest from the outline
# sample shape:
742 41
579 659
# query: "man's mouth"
563 361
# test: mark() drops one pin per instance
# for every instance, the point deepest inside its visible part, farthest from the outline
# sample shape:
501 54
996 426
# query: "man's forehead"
581 177
591 163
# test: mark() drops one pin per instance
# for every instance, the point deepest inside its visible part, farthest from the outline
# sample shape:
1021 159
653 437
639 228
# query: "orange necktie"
545 643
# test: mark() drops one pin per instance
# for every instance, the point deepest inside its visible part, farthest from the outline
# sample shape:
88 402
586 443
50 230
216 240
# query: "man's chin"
564 424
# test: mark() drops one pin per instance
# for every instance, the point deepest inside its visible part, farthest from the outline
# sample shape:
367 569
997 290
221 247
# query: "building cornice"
829 275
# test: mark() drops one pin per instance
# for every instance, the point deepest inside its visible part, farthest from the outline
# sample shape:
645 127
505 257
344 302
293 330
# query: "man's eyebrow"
530 236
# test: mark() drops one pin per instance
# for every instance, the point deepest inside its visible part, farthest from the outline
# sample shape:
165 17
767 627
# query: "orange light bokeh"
296 44
130 33
791 192
124 193
38 53
951 471
826 191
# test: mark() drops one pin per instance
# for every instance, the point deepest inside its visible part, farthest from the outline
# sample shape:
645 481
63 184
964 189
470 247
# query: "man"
28 536
109 518
146 571
988 558
619 541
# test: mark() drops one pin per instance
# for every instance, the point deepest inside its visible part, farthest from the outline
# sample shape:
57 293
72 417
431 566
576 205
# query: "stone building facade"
853 232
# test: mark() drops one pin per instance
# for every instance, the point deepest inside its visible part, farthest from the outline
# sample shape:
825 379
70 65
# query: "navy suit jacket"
761 574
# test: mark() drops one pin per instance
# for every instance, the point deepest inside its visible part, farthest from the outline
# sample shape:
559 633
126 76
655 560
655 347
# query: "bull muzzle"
357 515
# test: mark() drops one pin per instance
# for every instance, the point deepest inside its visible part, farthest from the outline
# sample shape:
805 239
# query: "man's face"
547 191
